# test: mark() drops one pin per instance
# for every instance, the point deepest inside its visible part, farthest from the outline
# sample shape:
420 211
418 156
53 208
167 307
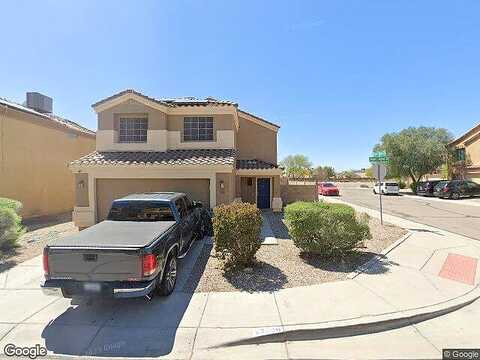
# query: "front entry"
263 193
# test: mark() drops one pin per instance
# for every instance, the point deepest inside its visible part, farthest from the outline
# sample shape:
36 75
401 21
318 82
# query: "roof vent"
39 102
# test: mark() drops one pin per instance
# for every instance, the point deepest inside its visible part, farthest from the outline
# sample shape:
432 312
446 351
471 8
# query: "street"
451 215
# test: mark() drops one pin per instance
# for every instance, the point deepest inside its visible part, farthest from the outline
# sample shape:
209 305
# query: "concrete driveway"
457 216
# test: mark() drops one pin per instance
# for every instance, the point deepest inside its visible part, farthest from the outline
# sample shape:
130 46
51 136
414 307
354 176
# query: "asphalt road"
459 216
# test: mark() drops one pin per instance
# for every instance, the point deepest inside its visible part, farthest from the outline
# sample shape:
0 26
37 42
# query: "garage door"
111 189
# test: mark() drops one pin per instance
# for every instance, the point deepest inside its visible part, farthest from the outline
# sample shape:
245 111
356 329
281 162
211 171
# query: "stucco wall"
227 194
472 148
33 162
81 189
256 142
292 193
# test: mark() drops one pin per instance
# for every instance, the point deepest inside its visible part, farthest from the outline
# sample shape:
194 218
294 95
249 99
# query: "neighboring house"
35 150
209 149
467 148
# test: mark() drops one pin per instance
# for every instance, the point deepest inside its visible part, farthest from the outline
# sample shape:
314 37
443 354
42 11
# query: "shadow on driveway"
127 327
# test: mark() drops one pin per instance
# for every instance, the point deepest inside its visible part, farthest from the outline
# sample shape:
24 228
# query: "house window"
133 130
460 154
198 129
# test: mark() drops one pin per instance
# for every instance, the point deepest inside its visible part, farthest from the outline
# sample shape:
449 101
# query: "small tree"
415 152
297 166
324 173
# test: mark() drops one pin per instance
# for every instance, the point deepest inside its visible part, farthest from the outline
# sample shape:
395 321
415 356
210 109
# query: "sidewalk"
427 273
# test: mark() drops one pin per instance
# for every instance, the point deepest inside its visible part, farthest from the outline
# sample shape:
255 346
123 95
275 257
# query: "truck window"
140 211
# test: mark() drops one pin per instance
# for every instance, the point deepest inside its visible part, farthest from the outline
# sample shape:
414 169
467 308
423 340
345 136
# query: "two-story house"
209 149
467 147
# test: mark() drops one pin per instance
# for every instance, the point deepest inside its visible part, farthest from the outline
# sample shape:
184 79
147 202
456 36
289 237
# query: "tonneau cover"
111 234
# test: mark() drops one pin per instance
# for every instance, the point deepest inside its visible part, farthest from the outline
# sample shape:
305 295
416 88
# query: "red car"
327 189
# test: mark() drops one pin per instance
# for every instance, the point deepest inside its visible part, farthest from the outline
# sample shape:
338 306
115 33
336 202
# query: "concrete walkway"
427 273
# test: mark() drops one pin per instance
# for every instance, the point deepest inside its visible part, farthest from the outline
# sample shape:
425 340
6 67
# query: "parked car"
131 254
328 189
456 189
387 188
426 188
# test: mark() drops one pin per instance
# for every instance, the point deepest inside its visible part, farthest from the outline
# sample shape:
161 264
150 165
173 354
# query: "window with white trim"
197 128
133 130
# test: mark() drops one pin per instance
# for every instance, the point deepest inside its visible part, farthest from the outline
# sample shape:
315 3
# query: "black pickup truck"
133 253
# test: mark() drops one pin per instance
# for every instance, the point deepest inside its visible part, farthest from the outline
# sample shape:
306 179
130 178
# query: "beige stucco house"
209 149
36 147
467 147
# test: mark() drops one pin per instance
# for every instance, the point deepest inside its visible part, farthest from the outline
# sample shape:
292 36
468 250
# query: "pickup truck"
131 254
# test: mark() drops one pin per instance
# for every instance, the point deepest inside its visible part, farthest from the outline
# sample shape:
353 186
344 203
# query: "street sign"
379 170
379 160
378 157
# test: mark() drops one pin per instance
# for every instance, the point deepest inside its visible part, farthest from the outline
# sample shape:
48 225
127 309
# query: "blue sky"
336 75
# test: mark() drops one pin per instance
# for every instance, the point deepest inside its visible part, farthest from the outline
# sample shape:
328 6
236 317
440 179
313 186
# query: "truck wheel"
169 278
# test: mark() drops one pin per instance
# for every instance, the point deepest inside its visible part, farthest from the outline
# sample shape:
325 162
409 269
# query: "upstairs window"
460 154
198 129
133 130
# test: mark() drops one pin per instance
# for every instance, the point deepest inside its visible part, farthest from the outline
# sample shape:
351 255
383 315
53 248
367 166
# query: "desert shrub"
326 229
11 204
401 184
236 228
10 223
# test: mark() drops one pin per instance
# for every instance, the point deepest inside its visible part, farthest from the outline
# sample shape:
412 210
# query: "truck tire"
169 277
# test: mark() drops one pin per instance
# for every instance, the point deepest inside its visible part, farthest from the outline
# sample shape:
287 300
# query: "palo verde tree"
297 166
415 151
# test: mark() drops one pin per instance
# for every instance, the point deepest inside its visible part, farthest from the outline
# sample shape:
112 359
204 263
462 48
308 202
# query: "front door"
263 193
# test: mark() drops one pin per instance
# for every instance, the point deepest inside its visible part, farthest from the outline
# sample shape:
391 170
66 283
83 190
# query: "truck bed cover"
112 234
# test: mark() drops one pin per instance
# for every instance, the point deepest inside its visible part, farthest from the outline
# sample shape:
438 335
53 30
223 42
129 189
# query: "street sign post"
379 161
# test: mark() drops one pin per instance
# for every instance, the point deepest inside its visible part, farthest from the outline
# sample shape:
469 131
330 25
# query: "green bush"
10 223
401 184
326 229
236 228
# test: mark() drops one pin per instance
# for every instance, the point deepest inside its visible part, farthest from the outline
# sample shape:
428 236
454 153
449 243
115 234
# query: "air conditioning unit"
39 102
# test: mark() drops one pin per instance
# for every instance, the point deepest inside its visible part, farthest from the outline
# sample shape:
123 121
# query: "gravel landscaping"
283 266
40 232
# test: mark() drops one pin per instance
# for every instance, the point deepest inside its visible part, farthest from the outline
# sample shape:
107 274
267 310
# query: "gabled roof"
465 136
54 119
172 103
170 157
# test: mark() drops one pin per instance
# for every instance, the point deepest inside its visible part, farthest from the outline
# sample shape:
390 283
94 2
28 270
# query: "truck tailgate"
94 265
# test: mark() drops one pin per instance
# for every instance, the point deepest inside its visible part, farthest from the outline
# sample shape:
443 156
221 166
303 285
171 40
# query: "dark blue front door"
263 193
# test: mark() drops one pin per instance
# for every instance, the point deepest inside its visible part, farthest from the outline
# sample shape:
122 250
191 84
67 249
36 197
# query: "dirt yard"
283 265
40 232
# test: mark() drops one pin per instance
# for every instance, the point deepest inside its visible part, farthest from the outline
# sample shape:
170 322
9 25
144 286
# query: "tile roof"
171 102
169 157
54 118
184 101
255 164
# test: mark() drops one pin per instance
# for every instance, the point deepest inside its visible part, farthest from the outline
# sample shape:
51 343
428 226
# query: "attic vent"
39 102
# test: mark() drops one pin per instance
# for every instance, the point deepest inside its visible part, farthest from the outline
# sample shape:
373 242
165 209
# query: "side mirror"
197 204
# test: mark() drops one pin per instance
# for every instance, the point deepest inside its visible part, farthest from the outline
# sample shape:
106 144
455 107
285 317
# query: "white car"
387 188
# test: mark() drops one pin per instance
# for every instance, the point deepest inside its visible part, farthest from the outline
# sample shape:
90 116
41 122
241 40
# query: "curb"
364 325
